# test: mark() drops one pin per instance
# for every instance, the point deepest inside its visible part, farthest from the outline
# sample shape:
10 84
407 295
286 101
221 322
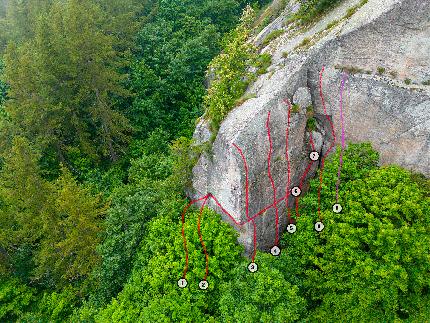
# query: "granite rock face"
384 49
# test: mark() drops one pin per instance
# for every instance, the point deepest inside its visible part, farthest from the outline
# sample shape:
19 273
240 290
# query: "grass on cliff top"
313 9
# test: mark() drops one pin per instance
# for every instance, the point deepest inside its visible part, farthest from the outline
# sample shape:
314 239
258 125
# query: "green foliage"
273 35
370 263
242 100
20 19
49 231
3 86
310 10
150 193
132 207
354 9
426 82
306 41
15 299
152 293
64 94
269 13
263 62
381 70
350 12
311 124
351 69
175 46
310 111
408 81
264 296
313 9
71 228
230 71
54 307
295 108
332 24
23 197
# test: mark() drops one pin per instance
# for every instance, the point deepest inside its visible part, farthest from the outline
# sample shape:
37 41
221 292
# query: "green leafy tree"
71 232
371 262
132 208
64 82
53 306
263 296
15 299
230 71
154 189
152 293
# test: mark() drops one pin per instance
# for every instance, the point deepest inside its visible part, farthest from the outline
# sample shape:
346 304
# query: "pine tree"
71 232
64 83
23 196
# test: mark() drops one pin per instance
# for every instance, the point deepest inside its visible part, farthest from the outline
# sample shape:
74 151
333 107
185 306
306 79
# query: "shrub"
370 263
350 12
230 69
274 34
306 41
15 298
263 62
312 9
152 293
332 24
311 124
264 296
351 69
408 81
381 70
295 108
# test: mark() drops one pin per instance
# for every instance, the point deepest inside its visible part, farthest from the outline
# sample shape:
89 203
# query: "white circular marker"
275 251
291 228
337 208
182 283
319 226
203 284
314 156
295 191
252 267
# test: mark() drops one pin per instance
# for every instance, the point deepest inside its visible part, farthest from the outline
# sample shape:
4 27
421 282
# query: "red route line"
275 202
247 199
201 239
331 146
271 179
183 231
311 141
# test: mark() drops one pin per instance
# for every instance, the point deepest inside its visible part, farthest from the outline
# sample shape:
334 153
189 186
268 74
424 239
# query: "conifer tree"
64 83
23 196
71 232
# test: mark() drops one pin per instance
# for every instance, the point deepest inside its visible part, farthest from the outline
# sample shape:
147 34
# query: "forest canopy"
98 104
